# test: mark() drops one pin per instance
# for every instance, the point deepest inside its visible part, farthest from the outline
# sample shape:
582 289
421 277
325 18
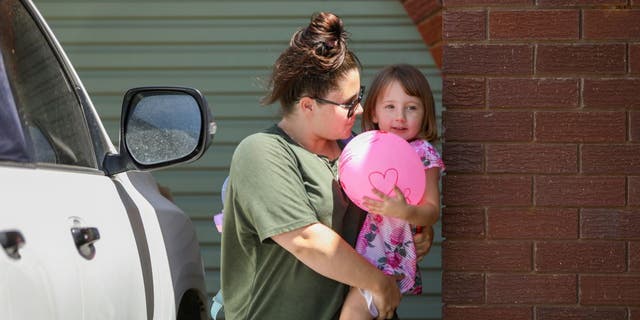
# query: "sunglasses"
351 107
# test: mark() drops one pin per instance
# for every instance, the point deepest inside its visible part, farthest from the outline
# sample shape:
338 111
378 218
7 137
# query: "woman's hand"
387 298
423 241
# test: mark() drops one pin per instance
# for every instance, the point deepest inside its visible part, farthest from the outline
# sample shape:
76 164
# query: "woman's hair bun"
316 59
324 39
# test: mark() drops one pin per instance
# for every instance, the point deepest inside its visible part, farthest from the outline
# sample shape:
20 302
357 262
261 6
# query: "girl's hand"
390 206
423 242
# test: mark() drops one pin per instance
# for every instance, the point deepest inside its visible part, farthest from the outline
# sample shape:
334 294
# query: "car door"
78 257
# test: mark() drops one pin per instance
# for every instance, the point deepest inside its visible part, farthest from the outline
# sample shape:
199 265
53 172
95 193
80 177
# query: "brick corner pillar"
427 16
542 146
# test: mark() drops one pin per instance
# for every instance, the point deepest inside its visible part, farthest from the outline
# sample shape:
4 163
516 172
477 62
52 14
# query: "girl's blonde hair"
414 84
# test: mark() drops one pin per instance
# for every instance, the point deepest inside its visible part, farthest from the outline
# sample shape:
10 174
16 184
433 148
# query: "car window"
51 116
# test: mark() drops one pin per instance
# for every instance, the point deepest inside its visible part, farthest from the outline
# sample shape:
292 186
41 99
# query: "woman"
287 244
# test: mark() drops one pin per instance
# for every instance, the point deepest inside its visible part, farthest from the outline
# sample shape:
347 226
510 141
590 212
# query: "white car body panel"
163 288
147 262
56 200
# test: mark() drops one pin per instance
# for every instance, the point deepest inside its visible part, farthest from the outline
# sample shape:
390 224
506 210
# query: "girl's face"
332 122
399 113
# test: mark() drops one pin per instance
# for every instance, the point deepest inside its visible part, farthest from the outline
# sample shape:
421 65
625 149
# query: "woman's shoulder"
269 135
270 139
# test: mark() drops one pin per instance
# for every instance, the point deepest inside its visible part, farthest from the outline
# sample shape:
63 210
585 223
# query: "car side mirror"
161 127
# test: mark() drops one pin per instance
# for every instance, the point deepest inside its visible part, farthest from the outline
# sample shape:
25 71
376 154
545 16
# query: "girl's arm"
423 241
426 213
323 250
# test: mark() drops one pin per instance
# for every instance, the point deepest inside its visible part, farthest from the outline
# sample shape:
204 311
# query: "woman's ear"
306 104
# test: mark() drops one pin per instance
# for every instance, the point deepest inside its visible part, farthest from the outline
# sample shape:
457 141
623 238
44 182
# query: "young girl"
399 101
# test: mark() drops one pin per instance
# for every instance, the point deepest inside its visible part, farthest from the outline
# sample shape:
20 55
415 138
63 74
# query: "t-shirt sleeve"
268 190
429 155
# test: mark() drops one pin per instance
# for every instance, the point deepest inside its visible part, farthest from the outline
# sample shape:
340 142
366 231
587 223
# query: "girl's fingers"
399 193
366 199
379 193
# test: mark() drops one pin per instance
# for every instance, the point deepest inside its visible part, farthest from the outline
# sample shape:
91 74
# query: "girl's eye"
389 107
412 108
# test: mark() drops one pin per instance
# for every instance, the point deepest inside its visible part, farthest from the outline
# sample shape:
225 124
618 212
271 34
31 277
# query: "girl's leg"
355 307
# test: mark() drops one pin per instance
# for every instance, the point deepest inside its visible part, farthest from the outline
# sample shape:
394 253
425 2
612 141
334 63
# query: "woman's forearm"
324 251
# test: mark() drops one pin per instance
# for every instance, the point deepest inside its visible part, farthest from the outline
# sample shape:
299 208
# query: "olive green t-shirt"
276 186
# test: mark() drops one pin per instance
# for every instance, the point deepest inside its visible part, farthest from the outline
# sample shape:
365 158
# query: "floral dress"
387 242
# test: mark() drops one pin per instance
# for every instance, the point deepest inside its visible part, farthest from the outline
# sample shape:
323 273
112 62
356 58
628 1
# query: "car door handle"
84 239
12 241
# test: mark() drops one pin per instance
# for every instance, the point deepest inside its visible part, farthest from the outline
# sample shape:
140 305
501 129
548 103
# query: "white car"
84 230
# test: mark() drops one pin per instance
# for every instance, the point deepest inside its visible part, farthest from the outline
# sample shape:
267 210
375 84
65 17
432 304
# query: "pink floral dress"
387 242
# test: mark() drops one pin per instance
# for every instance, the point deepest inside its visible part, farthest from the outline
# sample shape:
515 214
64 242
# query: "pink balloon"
378 159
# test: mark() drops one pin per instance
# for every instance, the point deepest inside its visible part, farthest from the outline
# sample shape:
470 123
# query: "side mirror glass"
162 127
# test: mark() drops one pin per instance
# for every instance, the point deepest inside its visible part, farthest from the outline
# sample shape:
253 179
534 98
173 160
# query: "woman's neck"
302 134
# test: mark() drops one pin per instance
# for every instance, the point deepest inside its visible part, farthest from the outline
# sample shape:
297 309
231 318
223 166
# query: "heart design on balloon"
407 195
384 181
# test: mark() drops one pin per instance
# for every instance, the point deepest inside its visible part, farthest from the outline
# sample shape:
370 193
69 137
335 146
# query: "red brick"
463 93
436 54
463 157
567 191
486 256
611 24
451 3
487 313
538 223
486 190
610 224
580 256
420 9
580 313
581 59
634 191
634 126
431 29
581 126
487 126
578 3
532 158
463 223
634 256
634 58
611 159
464 25
462 287
479 59
531 289
534 24
536 93
610 290
618 93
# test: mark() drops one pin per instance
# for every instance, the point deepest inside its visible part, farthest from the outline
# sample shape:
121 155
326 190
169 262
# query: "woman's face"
330 121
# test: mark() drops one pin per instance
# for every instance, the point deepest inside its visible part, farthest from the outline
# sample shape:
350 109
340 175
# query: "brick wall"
542 144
